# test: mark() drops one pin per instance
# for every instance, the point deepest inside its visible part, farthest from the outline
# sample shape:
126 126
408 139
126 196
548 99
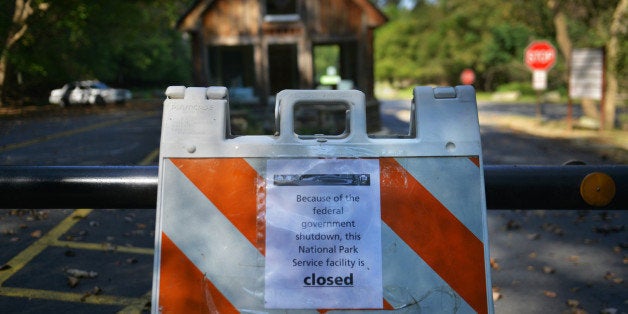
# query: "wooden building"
259 47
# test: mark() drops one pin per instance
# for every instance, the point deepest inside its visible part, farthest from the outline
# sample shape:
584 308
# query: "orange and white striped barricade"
290 223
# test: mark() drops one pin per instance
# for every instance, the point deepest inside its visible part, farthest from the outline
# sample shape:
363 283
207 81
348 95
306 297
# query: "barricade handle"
353 99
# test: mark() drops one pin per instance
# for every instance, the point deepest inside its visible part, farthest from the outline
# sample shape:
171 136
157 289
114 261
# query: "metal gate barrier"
135 187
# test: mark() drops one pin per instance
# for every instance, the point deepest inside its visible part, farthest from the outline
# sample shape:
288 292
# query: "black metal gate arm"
507 187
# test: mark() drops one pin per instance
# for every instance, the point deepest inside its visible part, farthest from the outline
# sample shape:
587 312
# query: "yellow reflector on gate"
597 189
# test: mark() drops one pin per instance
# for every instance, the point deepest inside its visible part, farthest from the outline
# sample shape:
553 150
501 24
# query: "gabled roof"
191 18
376 17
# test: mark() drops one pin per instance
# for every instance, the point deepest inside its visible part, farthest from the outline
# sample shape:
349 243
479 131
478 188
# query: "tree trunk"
617 30
3 66
18 27
562 36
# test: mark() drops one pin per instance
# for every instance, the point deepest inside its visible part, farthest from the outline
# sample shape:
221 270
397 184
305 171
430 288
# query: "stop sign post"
539 56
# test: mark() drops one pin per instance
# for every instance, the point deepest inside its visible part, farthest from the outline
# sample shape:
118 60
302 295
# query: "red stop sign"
540 55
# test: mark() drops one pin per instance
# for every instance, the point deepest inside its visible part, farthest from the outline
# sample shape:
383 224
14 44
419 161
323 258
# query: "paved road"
542 259
545 261
39 249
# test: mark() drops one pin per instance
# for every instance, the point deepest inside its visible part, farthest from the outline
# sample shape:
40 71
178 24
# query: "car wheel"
100 101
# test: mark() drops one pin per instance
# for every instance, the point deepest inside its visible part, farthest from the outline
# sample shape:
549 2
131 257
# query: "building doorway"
283 67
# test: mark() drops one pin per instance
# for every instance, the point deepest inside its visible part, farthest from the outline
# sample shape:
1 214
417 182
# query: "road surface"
543 261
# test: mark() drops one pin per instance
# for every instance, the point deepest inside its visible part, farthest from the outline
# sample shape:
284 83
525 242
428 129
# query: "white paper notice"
323 234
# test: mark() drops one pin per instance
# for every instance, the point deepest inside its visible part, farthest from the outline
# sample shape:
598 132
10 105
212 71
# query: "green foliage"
525 88
433 41
436 40
325 56
124 43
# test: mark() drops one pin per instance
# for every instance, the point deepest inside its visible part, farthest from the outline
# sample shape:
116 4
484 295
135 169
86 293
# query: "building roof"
190 20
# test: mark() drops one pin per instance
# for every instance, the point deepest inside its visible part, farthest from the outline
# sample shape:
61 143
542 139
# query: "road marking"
137 306
149 158
41 139
102 247
21 259
69 296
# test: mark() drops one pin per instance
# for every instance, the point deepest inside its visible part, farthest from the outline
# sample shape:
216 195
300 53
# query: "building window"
281 11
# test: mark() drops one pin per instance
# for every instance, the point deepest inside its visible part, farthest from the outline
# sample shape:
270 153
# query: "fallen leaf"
96 290
532 255
108 246
41 215
85 296
73 281
572 303
618 280
36 234
494 264
609 310
574 258
549 294
78 273
609 275
606 229
8 232
548 270
138 232
512 225
496 294
533 236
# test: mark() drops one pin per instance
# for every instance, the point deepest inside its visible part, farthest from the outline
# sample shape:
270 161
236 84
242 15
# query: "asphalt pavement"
100 261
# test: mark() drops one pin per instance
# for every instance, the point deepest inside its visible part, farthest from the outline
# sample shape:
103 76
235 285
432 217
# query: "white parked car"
88 92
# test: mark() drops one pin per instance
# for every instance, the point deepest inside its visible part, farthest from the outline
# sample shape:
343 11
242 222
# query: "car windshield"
99 85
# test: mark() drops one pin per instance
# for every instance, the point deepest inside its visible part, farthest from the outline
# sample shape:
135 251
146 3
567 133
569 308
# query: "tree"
431 42
614 57
130 43
22 10
594 24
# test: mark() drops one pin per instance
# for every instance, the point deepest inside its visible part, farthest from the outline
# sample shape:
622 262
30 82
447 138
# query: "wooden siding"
333 18
232 19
